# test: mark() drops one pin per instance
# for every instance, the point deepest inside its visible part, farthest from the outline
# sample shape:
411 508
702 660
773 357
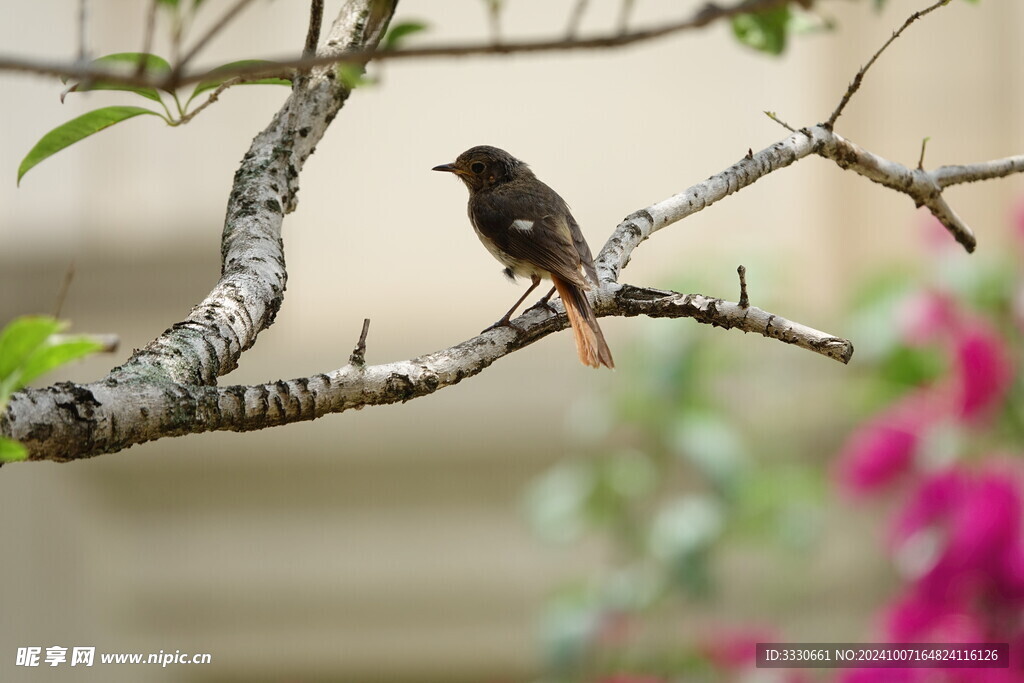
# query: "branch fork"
169 388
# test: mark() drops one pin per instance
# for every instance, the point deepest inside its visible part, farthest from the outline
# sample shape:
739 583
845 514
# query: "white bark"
168 388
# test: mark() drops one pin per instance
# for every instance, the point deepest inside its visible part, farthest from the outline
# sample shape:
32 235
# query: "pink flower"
972 583
1017 219
936 236
883 675
977 515
882 448
928 315
733 649
983 368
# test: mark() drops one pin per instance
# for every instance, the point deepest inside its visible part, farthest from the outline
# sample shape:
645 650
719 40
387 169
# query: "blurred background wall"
389 544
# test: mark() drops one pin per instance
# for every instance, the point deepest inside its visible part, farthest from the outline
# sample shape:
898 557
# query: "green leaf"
764 31
74 130
12 451
53 355
908 366
21 337
128 62
28 349
353 76
227 68
398 32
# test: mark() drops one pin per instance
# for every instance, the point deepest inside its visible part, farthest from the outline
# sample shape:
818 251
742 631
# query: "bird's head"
484 166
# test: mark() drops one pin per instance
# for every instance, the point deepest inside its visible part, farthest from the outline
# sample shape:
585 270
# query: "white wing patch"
522 225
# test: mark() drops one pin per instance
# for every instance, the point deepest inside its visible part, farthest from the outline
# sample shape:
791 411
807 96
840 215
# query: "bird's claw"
543 303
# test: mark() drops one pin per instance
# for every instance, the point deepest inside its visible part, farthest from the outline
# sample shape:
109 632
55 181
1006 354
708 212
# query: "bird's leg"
505 318
543 303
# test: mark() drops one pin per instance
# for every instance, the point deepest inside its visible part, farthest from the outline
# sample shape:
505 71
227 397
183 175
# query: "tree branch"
108 416
858 79
283 68
221 24
999 168
167 389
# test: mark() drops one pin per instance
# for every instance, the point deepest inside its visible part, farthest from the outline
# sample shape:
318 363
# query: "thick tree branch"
107 416
167 389
132 405
209 342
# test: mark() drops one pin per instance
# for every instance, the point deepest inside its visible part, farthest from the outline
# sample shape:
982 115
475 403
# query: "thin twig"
358 357
211 33
211 98
744 301
83 17
575 18
855 85
108 343
494 20
774 117
920 159
625 11
147 37
65 285
316 18
283 68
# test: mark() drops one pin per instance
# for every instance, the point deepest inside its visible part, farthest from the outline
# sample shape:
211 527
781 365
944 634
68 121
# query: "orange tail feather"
590 344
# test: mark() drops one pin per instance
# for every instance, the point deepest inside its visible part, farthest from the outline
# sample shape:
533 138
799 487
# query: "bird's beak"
449 168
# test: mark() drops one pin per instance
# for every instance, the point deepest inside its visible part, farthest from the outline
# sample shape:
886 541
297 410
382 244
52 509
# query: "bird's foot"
543 303
504 322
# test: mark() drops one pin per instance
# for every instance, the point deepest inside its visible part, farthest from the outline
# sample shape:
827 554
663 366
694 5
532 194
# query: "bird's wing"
582 248
532 226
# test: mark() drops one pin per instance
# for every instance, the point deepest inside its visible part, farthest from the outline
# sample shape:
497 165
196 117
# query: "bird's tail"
590 343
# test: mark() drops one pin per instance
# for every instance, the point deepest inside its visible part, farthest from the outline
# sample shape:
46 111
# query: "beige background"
389 544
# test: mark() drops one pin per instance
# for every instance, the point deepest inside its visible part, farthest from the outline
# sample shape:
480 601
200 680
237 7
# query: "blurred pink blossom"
735 648
1017 220
972 587
928 316
934 234
977 519
983 369
882 448
883 676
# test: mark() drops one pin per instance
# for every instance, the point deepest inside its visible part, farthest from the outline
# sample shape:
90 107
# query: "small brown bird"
529 229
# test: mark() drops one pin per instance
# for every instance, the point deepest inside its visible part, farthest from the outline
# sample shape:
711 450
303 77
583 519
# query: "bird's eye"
477 167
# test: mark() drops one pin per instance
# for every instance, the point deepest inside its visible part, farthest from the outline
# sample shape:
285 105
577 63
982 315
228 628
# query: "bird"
529 229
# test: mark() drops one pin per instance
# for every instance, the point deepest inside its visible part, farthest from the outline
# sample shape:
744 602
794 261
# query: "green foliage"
398 32
674 479
353 75
764 31
77 129
215 82
29 349
176 4
128 62
11 451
